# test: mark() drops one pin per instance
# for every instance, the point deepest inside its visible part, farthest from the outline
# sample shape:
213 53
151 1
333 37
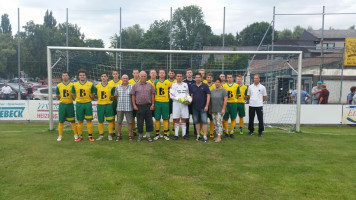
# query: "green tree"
6 51
131 37
49 21
187 22
5 27
157 36
285 34
297 32
253 34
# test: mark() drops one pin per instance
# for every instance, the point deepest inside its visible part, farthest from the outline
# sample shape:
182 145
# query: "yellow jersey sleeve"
133 81
112 83
64 91
104 93
231 92
83 92
242 91
162 90
152 83
211 87
205 81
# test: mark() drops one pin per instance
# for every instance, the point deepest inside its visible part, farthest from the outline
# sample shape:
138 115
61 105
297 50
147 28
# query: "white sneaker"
160 135
76 137
156 137
59 138
166 137
110 138
144 135
100 138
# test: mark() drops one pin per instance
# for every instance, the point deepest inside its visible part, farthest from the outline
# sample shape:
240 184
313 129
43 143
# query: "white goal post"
50 65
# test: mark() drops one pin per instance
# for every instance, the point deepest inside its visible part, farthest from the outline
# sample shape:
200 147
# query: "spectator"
354 100
304 96
324 95
316 92
6 90
351 95
29 92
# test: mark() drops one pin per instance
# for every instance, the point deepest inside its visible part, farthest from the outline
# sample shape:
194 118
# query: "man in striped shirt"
124 106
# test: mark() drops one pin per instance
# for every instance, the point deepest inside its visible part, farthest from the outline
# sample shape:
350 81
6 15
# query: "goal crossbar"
114 50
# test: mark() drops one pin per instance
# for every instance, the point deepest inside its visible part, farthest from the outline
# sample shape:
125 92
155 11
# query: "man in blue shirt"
201 99
351 94
304 96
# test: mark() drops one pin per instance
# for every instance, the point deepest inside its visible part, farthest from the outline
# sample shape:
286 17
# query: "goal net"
278 71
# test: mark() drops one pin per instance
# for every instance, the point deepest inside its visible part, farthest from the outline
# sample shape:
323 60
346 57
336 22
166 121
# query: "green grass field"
319 163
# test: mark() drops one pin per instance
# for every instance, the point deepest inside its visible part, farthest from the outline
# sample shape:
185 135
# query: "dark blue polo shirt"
199 95
190 83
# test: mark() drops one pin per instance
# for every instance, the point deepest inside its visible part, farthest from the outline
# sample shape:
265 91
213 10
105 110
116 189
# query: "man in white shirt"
179 90
6 90
257 95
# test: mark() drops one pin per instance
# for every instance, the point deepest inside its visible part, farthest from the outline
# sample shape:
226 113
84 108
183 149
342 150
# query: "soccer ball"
187 100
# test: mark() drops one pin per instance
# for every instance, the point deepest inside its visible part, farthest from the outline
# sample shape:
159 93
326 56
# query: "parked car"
13 94
15 88
42 94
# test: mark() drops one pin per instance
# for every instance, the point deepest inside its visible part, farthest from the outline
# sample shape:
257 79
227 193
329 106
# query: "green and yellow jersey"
231 92
104 93
64 91
242 91
152 83
205 81
162 90
175 80
112 83
211 86
133 81
83 92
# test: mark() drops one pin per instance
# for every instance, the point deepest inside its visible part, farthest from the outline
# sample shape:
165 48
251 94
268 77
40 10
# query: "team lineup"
139 100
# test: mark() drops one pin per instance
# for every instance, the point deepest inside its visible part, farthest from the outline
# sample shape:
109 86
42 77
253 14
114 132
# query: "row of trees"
189 32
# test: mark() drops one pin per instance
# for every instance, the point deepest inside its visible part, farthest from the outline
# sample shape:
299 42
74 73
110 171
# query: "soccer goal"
280 72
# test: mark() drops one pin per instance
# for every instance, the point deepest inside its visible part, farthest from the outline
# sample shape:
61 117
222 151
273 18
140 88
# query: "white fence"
25 110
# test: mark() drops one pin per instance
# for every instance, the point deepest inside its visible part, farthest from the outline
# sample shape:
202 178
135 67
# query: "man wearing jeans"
201 99
257 95
143 97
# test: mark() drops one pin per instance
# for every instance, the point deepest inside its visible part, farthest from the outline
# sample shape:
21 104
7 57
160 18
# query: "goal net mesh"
277 73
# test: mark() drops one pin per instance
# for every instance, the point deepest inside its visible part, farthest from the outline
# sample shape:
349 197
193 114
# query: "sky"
100 19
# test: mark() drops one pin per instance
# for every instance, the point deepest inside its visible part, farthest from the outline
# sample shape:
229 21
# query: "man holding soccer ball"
179 93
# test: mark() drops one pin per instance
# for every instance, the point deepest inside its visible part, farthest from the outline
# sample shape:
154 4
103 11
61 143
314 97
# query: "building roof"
333 34
261 66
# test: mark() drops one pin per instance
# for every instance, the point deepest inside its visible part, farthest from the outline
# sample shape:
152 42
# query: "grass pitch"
319 163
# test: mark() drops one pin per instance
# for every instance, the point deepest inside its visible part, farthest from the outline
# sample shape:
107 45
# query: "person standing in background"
315 92
324 95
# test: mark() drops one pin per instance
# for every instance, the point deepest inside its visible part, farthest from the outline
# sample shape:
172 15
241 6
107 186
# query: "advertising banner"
14 110
349 114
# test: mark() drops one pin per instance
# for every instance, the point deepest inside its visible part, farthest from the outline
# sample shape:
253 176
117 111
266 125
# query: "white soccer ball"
188 99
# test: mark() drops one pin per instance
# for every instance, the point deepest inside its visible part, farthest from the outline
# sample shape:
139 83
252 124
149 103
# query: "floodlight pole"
67 36
170 40
299 87
18 52
120 43
50 99
223 43
322 45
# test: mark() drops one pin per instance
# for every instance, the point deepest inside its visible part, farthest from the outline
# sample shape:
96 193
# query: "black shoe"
226 135
186 137
205 140
232 136
175 138
250 133
149 139
260 134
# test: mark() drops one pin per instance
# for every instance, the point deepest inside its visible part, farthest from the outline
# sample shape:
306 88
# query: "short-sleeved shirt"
350 97
217 99
242 91
133 81
325 94
315 89
231 92
211 86
353 100
124 102
143 93
104 93
199 95
113 84
162 90
256 93
83 92
65 92
6 89
303 94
